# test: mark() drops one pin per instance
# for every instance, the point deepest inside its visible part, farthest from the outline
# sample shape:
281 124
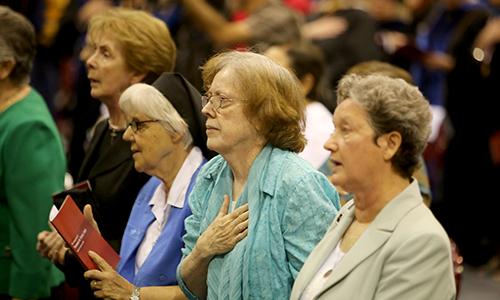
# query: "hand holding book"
81 233
106 282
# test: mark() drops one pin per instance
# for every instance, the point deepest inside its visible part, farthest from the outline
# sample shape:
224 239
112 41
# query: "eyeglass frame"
207 98
136 125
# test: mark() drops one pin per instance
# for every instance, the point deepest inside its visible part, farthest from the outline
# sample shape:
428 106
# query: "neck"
170 166
373 199
116 116
240 163
10 93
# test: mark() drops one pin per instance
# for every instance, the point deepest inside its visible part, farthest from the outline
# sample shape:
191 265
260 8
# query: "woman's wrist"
200 254
60 255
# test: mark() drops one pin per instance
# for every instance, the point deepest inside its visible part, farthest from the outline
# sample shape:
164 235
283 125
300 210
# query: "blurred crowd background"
451 48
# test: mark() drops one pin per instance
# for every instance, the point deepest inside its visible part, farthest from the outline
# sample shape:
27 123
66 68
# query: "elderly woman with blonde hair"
258 209
385 243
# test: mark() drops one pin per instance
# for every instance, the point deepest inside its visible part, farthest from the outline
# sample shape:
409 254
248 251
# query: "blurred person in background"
264 22
345 32
306 61
472 105
32 166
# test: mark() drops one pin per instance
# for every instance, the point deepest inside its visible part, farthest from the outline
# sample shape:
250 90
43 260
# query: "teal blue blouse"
291 206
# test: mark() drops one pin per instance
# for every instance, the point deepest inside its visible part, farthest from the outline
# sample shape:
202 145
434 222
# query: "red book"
81 236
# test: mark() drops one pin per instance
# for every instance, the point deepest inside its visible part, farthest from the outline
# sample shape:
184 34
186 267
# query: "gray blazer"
403 254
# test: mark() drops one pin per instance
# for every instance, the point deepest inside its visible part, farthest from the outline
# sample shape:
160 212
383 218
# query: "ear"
6 68
389 143
307 82
176 138
137 77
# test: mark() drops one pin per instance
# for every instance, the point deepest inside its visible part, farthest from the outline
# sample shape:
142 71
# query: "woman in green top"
32 166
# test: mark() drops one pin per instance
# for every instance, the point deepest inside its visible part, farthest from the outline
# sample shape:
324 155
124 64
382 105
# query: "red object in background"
301 6
495 148
239 16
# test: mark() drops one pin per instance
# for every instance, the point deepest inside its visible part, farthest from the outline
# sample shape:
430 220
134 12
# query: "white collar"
177 193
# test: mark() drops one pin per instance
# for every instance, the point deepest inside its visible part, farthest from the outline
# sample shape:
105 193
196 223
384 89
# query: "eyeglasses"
218 101
138 125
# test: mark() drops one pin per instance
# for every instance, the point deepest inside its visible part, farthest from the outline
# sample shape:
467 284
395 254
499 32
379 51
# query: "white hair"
144 99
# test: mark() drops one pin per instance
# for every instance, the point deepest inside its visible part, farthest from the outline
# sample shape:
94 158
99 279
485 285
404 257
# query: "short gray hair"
145 99
392 105
17 42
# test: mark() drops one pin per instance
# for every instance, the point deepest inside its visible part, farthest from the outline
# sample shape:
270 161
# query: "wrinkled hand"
51 245
225 231
106 282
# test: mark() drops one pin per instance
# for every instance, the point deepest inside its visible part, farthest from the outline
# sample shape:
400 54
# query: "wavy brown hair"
273 100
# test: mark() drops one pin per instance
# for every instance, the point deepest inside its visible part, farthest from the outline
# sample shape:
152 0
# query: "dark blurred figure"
435 36
472 104
346 34
264 22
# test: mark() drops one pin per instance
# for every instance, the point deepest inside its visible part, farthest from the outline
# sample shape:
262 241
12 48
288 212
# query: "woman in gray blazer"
385 243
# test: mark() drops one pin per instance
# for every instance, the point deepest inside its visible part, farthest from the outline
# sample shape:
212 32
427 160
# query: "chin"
213 146
95 94
138 167
335 180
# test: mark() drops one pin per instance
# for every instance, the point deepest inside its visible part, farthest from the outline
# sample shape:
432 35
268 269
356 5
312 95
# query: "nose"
331 144
207 111
128 134
90 61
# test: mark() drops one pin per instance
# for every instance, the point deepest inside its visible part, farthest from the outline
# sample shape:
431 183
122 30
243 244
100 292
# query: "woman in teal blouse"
258 209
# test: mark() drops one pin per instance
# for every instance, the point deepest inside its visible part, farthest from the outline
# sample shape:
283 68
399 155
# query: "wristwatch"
135 293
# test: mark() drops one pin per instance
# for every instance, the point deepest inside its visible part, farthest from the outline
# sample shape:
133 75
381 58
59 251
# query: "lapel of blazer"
377 233
371 240
323 249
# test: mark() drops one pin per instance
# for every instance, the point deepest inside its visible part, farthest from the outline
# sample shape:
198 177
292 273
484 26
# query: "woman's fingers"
241 235
241 209
224 207
241 226
95 285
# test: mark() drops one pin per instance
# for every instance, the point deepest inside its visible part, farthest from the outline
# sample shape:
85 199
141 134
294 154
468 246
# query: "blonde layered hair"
146 43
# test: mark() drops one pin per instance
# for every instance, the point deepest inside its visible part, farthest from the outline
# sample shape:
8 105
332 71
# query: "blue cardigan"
160 265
